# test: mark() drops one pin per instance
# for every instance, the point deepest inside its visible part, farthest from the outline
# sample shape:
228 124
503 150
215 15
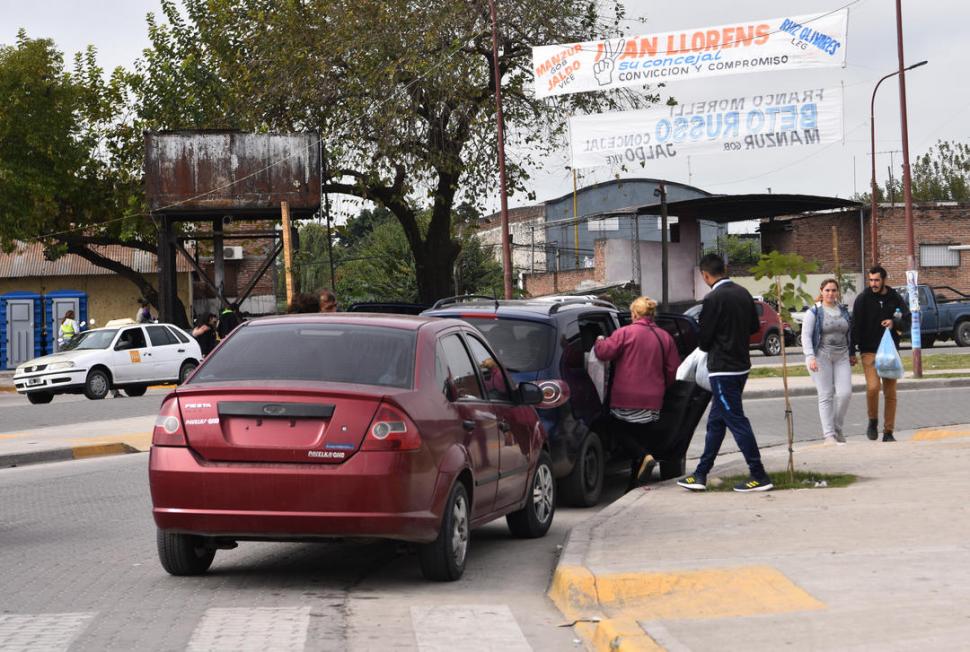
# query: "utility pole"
506 244
287 252
908 194
662 191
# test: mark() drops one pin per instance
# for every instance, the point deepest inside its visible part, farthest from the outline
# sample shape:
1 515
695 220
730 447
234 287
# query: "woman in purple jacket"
645 361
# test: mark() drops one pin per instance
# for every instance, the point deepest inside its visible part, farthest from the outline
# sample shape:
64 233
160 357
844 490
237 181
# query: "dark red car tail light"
391 430
168 425
554 393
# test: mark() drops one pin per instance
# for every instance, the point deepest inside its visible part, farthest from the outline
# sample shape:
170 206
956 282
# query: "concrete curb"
907 384
65 453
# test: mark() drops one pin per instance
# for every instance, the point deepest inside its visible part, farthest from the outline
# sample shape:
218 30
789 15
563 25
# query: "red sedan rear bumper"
373 494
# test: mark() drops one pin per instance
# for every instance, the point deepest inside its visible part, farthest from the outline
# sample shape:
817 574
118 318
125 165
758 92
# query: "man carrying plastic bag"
877 314
888 364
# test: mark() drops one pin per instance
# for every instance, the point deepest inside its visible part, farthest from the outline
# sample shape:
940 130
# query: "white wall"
682 261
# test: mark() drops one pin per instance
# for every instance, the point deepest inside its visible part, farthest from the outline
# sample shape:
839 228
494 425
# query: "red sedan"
324 426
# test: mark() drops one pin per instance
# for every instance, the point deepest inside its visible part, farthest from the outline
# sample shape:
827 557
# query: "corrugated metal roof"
27 260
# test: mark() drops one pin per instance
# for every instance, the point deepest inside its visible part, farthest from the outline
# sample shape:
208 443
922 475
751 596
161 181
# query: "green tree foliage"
380 266
940 174
740 252
313 259
402 93
784 270
70 168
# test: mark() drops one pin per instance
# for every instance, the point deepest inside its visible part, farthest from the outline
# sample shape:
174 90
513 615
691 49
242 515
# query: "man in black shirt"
873 312
727 321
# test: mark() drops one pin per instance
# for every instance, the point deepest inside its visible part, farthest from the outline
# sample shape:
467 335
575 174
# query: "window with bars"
938 256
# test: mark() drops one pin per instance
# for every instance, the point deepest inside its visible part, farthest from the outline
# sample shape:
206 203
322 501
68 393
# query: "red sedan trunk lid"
294 426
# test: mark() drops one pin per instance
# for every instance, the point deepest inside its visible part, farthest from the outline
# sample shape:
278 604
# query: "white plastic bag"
888 363
694 369
596 369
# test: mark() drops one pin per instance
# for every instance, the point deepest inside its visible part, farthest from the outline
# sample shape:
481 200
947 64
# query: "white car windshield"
100 339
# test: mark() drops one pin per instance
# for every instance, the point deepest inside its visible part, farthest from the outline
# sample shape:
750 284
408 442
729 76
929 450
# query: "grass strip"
803 480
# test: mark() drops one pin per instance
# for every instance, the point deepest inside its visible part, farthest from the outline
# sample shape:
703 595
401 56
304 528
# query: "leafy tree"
402 93
70 174
777 267
940 174
740 252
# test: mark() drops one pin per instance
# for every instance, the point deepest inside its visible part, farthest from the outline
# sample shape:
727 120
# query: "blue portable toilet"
21 323
56 305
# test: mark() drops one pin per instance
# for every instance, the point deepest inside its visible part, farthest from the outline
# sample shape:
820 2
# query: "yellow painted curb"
139 441
935 434
608 607
100 450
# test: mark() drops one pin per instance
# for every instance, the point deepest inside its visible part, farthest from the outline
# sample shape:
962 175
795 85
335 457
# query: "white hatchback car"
128 357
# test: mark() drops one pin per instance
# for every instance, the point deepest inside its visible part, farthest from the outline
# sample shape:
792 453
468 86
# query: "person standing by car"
228 320
727 321
144 314
645 361
205 333
68 329
827 343
873 312
328 301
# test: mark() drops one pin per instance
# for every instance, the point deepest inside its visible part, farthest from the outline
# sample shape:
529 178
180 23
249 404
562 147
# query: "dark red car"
772 329
342 425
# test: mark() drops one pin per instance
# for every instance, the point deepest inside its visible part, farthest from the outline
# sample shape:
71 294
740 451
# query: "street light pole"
873 188
907 188
506 244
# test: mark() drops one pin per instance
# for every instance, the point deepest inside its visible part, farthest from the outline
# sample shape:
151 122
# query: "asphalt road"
79 562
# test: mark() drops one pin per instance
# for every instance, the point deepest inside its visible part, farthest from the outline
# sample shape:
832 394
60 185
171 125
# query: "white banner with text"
757 46
791 119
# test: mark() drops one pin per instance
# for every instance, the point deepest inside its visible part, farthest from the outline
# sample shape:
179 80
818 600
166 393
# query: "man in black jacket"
727 321
873 312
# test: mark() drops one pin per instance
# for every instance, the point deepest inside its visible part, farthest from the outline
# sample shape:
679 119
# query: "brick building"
243 260
937 228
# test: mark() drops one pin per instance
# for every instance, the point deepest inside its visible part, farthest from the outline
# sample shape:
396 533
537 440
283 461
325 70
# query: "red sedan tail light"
168 425
554 393
391 430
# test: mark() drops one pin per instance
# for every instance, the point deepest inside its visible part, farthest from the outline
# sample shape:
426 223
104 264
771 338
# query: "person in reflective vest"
69 328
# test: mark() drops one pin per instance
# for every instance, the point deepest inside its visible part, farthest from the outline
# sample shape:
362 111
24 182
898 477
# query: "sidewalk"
59 443
881 564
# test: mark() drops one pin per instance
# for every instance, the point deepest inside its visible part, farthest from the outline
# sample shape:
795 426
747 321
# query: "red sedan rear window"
340 353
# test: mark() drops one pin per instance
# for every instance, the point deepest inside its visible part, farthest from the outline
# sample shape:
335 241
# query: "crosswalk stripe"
470 628
41 631
257 629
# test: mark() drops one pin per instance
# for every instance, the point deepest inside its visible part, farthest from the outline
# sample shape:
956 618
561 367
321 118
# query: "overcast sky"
938 94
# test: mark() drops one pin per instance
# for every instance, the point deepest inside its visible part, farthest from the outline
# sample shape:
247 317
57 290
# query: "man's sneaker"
754 485
872 432
694 482
646 468
888 436
839 438
829 440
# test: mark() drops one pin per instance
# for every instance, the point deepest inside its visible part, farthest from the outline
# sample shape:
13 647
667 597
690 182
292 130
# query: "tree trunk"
434 268
147 289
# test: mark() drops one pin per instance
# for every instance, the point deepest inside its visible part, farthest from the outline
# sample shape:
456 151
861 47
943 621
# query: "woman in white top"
827 343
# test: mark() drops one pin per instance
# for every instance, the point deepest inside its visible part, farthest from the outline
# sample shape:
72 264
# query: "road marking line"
935 434
470 628
255 629
41 631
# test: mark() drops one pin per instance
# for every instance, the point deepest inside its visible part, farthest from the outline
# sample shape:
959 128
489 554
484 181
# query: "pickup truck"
944 314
